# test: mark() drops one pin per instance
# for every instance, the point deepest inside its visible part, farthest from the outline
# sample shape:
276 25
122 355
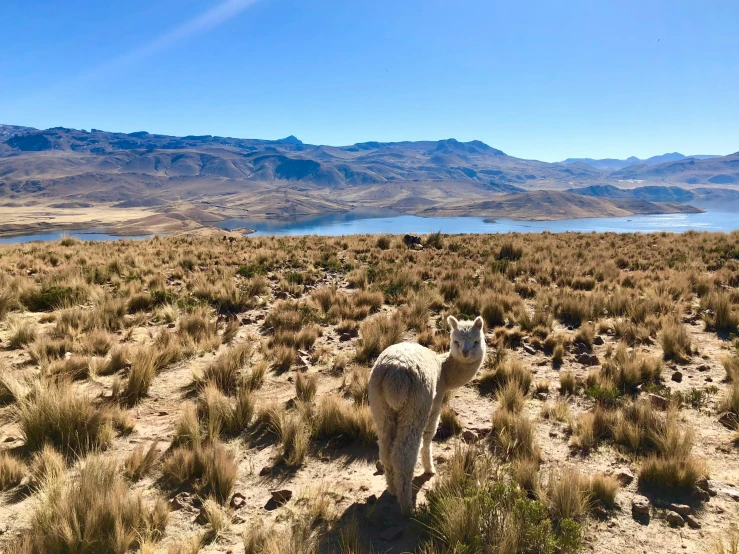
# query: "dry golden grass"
103 337
92 513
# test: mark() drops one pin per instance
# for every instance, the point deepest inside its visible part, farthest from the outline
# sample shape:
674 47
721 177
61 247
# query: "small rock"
703 367
588 359
183 501
282 295
677 377
729 420
640 505
682 509
675 519
278 499
553 434
598 340
709 380
692 522
701 495
541 396
470 437
659 402
624 476
162 413
238 500
392 533
246 321
344 337
529 349
171 325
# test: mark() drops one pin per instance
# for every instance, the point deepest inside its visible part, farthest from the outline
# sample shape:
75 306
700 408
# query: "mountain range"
180 180
613 164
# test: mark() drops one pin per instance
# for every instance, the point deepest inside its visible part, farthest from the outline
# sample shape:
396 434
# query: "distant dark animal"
412 240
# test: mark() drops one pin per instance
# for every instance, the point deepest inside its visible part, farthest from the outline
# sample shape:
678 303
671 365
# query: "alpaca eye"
477 342
456 343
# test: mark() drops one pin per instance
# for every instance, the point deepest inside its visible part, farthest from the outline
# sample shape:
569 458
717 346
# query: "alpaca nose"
465 353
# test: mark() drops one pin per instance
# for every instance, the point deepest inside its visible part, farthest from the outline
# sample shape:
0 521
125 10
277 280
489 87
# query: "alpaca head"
467 340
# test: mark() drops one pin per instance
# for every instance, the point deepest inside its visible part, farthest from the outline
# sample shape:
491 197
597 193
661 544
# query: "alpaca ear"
478 323
452 321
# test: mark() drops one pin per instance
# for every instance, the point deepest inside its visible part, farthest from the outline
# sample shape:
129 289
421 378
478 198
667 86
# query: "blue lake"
352 223
58 235
363 222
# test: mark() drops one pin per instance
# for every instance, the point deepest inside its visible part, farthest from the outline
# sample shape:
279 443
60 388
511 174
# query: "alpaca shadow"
347 452
378 525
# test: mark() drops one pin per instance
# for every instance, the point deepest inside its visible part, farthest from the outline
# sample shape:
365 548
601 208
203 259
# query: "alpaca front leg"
428 435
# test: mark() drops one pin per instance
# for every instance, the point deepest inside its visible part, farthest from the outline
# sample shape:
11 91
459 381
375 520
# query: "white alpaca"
406 390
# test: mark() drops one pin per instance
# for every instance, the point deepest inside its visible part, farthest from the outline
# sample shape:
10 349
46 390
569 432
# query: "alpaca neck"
455 373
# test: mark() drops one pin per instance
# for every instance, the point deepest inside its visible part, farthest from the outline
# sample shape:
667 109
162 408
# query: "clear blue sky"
539 79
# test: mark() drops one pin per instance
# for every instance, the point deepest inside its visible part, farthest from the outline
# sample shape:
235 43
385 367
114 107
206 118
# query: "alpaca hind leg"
404 456
386 424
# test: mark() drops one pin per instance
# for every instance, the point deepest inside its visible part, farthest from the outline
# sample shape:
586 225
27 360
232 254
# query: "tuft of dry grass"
676 343
306 387
567 494
139 462
507 369
223 372
21 333
376 335
95 512
602 490
336 419
512 436
57 415
209 469
12 471
47 466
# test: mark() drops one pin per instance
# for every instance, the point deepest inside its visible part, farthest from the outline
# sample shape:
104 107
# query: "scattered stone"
682 509
380 467
640 505
246 321
659 402
624 476
529 349
701 495
282 295
703 367
183 501
392 533
345 337
238 500
553 434
729 420
677 377
598 340
588 359
692 522
470 437
579 348
675 519
278 499
709 380
162 413
171 325
412 240
541 396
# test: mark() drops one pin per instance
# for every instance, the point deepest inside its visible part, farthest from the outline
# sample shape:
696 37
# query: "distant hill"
203 177
656 193
611 164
